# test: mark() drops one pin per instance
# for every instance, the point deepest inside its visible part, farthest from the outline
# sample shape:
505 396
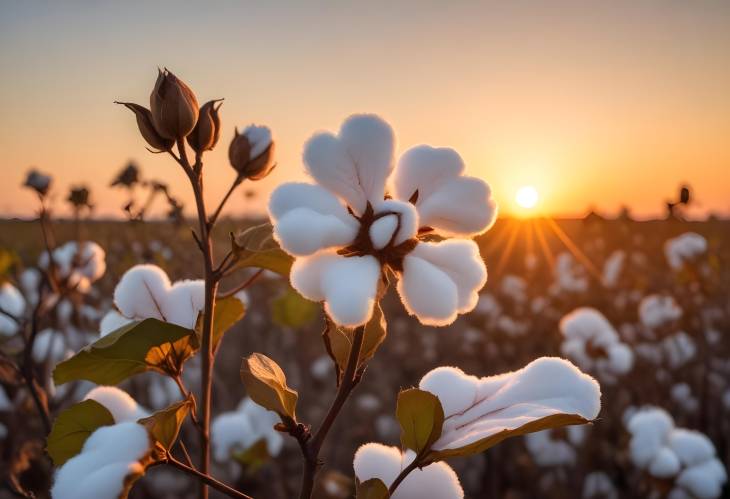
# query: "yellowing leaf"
292 310
373 488
228 311
421 419
266 385
164 425
254 457
256 247
148 345
73 426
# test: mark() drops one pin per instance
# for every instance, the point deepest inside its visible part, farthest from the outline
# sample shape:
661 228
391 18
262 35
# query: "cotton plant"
659 311
613 268
590 340
685 249
13 303
555 448
569 276
685 459
347 229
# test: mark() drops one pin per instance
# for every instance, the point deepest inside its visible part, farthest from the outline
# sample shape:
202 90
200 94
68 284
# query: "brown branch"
207 479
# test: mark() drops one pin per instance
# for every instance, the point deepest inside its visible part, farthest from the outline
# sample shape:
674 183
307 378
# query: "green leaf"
338 340
293 310
164 425
148 345
266 385
73 426
421 419
256 247
373 488
546 423
228 311
254 457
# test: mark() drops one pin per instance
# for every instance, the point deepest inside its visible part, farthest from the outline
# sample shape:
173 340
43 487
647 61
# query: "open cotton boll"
5 402
380 461
87 260
112 321
119 403
406 217
545 387
704 480
657 310
691 447
30 280
649 430
108 457
665 464
549 451
514 287
141 292
238 430
12 302
612 268
597 484
184 302
51 345
684 248
678 349
441 280
259 138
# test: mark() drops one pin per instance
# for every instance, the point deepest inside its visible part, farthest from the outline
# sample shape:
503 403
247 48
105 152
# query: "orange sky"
595 104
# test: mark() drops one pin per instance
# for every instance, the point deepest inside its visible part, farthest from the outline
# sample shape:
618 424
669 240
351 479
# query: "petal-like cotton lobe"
121 405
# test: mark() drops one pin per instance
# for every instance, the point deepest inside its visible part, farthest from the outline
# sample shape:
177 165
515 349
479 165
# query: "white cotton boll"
382 231
692 447
432 272
184 302
684 248
91 261
463 206
230 432
259 138
112 321
407 218
488 305
119 403
657 310
141 292
679 348
455 390
64 311
30 280
612 268
322 368
569 275
705 480
350 286
649 430
162 392
306 274
263 421
679 493
379 461
514 287
621 358
50 345
425 169
244 298
108 456
548 451
12 302
368 402
598 484
665 464
5 403
308 218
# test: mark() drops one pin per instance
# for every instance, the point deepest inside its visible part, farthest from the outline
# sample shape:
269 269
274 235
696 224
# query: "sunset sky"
593 104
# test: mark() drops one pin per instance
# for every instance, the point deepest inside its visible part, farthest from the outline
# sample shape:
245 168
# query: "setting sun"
527 197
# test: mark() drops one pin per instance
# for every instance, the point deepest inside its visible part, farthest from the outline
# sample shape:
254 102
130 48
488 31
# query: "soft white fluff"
612 268
238 430
667 452
685 248
112 321
514 287
49 345
144 292
476 408
12 302
569 275
598 484
381 461
592 342
441 280
547 450
121 405
78 264
656 311
108 456
678 349
312 223
259 138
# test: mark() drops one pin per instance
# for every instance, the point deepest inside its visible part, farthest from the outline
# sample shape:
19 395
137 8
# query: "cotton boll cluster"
678 349
555 447
612 268
343 226
119 403
682 394
592 342
80 265
238 430
514 287
144 292
112 321
656 311
50 345
12 302
109 458
476 408
569 276
684 456
511 327
380 461
683 249
598 485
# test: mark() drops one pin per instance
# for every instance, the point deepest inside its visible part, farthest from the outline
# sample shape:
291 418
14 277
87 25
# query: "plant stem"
207 479
311 449
402 476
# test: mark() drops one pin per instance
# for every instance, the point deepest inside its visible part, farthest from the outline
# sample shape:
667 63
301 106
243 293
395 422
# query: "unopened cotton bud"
38 181
128 177
173 106
251 152
205 135
79 197
147 127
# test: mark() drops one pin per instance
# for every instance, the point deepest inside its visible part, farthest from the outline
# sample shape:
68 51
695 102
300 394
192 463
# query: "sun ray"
546 251
504 257
575 250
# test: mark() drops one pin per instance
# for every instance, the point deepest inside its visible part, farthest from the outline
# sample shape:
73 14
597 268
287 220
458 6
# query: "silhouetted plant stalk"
173 119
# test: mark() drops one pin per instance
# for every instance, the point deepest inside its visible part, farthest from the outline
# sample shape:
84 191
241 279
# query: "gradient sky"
595 104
